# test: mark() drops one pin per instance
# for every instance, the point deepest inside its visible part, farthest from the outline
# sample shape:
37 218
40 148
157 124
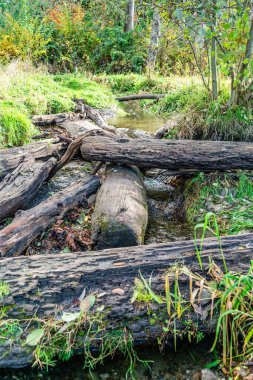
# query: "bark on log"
98 119
178 155
139 97
47 120
44 284
42 150
120 217
20 186
27 225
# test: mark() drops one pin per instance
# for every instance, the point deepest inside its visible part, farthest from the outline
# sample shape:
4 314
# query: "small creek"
168 365
137 118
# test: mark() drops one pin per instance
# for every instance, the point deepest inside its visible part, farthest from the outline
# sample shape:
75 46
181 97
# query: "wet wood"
177 155
27 225
139 97
61 279
121 213
41 150
20 186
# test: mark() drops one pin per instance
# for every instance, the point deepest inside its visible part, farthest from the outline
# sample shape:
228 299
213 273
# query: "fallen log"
50 120
97 118
47 283
177 155
139 97
27 225
41 150
20 186
121 213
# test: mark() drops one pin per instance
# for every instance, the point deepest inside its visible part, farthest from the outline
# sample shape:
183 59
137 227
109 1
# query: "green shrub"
15 128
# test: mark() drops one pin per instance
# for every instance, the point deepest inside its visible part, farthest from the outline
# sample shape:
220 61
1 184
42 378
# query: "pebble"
207 374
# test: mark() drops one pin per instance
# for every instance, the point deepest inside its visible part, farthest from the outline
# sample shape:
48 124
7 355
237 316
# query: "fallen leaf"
101 308
87 303
34 337
70 317
118 291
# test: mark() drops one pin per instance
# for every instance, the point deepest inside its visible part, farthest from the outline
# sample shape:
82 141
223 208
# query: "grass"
26 91
229 196
229 299
197 117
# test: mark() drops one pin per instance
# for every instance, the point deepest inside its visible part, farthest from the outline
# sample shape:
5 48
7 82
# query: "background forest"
205 47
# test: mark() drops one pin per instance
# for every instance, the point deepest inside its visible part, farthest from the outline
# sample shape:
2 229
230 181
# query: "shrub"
15 127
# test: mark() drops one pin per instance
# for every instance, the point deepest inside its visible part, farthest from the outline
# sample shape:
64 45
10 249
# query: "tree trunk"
154 40
27 225
20 186
42 150
130 15
121 213
245 62
45 284
139 97
178 155
214 56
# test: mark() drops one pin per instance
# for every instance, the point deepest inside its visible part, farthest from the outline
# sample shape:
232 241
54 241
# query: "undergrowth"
224 294
229 196
26 91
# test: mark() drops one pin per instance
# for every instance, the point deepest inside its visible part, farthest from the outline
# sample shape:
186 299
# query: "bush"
15 128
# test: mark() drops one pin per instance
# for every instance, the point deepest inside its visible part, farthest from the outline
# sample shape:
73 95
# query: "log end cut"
121 215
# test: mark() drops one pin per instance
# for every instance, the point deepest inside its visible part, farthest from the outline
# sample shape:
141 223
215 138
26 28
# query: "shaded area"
168 365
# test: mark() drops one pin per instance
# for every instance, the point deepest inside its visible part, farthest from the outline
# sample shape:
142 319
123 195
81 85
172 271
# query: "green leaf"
34 337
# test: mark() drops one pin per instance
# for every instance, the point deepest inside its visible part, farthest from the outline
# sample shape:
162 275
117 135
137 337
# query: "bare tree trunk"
214 58
154 40
130 18
245 62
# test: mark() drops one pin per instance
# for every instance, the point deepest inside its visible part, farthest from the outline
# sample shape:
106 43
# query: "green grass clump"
229 196
15 127
135 83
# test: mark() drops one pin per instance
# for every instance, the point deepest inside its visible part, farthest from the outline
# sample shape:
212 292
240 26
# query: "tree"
154 40
130 18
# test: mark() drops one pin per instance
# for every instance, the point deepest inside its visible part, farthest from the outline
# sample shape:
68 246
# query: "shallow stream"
168 365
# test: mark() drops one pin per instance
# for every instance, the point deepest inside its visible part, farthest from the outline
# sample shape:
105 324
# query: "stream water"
168 365
137 118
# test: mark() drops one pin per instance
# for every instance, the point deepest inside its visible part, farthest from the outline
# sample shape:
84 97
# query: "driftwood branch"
20 186
41 150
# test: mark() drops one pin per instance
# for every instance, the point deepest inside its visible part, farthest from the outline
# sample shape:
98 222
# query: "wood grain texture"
121 213
190 156
20 186
41 150
48 284
27 225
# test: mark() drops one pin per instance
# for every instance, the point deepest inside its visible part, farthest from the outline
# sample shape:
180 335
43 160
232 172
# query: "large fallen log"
27 225
41 150
121 213
139 97
177 155
44 284
20 186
